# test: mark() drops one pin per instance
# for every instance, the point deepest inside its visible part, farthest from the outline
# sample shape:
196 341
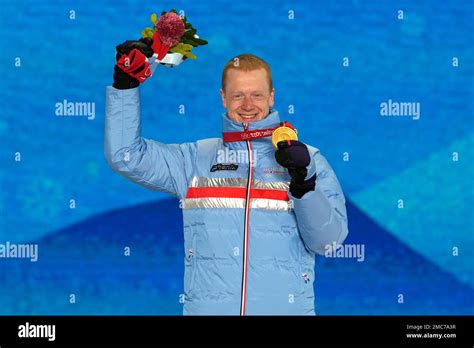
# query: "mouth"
248 116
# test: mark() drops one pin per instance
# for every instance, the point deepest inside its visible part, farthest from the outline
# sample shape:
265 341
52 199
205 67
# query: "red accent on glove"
135 64
159 47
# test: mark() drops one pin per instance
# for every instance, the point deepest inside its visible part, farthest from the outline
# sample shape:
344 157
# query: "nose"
247 105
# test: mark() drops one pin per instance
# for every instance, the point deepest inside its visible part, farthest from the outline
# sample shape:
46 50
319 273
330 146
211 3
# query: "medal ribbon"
253 134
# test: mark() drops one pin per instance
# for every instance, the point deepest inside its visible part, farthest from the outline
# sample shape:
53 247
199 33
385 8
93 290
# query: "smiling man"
251 227
247 94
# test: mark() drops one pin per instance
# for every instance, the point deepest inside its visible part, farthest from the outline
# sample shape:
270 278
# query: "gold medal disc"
283 133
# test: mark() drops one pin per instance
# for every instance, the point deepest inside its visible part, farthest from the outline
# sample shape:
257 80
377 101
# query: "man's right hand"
132 66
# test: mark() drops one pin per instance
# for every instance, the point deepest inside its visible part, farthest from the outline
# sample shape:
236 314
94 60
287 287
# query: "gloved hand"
132 66
294 156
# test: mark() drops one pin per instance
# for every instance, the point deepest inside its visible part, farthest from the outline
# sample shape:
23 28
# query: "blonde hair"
247 62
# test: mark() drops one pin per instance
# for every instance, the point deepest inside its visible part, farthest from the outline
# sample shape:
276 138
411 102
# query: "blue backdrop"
408 180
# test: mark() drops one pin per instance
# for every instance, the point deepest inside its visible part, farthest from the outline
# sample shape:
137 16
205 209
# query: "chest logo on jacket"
221 166
273 171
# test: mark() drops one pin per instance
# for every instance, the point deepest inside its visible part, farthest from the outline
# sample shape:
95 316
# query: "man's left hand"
294 156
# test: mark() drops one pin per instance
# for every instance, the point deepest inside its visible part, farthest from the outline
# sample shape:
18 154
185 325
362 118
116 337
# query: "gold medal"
283 133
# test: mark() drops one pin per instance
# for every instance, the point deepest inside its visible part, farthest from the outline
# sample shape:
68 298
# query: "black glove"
294 156
123 80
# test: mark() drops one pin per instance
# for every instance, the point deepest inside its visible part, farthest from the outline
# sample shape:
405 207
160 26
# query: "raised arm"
149 163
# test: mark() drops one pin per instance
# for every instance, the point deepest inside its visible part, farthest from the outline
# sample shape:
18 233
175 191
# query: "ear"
272 98
224 103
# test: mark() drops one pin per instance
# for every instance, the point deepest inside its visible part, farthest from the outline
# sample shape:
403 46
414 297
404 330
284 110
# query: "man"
252 225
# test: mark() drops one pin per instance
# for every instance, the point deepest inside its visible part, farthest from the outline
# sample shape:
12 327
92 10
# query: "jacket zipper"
246 226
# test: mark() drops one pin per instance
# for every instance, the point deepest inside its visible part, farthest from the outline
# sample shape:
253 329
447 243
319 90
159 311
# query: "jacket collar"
261 144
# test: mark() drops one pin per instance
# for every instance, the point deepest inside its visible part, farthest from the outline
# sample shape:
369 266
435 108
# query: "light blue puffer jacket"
249 245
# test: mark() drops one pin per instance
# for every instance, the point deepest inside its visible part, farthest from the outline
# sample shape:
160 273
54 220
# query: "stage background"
428 162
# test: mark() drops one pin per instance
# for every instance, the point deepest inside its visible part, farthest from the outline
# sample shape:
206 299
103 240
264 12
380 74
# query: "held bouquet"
173 38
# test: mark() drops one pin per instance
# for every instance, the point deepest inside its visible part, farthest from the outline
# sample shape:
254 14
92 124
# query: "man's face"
247 96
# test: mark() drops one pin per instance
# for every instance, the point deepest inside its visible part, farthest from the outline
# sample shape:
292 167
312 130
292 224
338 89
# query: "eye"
237 96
